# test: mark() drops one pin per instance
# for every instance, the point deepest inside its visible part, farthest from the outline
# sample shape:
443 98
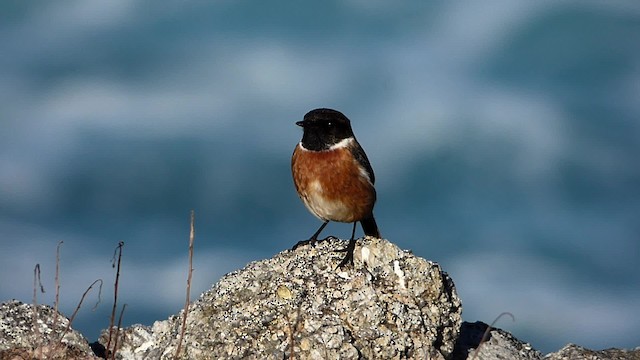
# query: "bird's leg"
313 239
348 258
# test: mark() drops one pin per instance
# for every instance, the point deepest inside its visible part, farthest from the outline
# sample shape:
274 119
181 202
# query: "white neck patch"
339 145
342 143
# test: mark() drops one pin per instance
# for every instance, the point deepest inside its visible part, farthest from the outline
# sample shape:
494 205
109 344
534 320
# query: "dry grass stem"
190 273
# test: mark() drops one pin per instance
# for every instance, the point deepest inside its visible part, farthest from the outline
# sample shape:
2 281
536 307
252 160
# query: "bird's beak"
300 123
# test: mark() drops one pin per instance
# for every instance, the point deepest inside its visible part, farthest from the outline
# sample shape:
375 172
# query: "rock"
45 338
390 305
575 352
499 344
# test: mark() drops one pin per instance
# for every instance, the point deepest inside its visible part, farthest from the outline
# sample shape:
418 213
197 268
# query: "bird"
333 177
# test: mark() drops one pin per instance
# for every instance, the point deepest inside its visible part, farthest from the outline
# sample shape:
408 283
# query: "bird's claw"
348 258
311 242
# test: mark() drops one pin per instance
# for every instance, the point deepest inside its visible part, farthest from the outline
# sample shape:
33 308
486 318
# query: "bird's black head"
323 128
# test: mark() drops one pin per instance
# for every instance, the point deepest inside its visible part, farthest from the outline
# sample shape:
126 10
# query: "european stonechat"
333 176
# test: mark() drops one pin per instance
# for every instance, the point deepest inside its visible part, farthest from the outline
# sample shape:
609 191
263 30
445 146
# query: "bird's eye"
329 123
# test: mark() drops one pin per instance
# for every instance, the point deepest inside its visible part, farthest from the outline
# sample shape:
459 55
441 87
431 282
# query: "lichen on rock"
390 305
28 332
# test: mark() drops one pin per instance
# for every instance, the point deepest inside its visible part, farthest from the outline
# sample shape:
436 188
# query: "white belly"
324 208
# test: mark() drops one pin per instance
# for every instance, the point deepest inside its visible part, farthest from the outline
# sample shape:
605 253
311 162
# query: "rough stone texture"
575 352
499 344
45 338
390 305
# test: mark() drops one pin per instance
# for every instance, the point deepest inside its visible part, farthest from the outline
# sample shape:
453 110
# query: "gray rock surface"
575 352
390 305
498 344
42 334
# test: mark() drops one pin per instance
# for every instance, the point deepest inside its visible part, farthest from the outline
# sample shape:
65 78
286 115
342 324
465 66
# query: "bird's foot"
312 242
305 242
348 258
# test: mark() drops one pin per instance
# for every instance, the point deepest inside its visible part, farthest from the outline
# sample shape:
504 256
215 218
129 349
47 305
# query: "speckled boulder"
390 305
575 352
41 334
498 344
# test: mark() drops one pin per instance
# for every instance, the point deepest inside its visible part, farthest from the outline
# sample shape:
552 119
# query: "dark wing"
362 159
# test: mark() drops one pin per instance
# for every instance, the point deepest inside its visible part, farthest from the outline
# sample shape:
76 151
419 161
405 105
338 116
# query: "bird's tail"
370 227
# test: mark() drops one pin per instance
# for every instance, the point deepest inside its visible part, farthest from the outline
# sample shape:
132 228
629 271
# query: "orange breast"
331 185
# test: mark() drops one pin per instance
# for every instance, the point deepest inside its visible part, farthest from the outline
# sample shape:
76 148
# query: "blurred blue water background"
505 138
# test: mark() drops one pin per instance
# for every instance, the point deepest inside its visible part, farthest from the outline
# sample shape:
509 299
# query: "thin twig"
36 281
75 312
290 336
115 293
115 342
190 273
488 330
57 299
